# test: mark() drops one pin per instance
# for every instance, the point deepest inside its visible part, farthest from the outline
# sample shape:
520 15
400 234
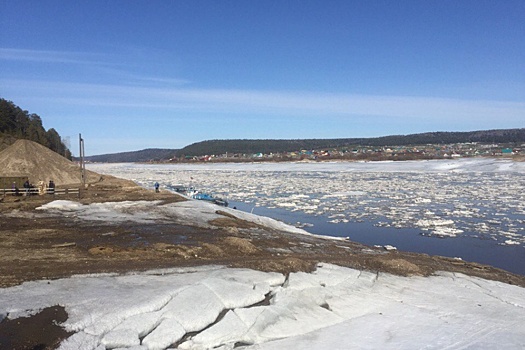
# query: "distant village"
372 153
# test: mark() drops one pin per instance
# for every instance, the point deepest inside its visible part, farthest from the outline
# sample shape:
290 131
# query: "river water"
472 209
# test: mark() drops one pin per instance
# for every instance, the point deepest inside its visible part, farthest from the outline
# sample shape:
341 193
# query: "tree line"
279 146
21 124
146 155
250 147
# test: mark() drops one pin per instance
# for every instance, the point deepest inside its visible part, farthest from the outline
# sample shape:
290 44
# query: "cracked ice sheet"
333 307
423 313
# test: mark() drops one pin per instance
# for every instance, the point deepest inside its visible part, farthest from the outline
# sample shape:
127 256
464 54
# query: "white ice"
332 308
193 213
463 193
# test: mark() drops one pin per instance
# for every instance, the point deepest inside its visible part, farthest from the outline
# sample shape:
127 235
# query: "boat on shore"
187 191
193 193
210 198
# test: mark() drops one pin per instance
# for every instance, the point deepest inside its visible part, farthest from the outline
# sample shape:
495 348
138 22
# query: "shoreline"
36 245
52 247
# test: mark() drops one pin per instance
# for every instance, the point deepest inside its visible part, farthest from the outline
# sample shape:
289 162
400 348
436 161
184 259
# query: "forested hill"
219 147
276 146
16 123
146 155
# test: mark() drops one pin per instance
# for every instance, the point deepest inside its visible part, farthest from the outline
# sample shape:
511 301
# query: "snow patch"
331 306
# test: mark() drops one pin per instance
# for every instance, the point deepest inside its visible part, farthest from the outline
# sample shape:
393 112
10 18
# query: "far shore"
213 160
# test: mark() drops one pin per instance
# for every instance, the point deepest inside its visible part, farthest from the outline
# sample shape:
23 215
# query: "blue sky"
130 75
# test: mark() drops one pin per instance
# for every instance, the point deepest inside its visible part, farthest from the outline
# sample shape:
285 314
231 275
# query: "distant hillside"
146 155
218 147
276 146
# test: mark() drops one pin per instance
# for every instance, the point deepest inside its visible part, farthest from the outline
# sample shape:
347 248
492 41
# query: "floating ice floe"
434 223
445 232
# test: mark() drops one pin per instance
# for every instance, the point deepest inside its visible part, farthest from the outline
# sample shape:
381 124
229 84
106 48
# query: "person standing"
157 187
51 187
27 186
15 189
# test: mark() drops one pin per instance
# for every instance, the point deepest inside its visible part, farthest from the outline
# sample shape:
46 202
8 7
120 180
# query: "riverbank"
466 208
119 227
165 230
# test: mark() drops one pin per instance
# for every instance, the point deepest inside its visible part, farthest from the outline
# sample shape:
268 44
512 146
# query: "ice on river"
223 308
439 197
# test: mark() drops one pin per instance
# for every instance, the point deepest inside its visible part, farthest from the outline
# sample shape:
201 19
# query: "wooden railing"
35 191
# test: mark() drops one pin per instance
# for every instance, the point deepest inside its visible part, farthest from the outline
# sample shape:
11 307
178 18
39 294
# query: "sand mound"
28 158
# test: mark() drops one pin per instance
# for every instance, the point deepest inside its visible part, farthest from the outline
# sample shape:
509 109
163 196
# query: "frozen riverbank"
210 306
476 205
332 308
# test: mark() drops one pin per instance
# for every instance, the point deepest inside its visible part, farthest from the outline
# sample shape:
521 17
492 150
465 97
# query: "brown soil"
28 158
38 332
56 247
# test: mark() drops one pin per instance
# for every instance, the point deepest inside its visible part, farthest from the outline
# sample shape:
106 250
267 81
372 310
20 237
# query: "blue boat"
210 198
191 192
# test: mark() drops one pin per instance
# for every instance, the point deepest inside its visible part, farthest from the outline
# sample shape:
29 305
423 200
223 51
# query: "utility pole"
82 163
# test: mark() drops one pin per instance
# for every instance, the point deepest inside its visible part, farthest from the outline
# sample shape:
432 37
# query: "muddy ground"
50 248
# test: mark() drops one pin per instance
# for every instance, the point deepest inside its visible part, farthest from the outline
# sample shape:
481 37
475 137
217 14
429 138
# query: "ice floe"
445 198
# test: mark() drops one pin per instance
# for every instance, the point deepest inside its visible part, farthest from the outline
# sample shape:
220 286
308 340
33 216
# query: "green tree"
36 131
7 117
54 141
20 124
